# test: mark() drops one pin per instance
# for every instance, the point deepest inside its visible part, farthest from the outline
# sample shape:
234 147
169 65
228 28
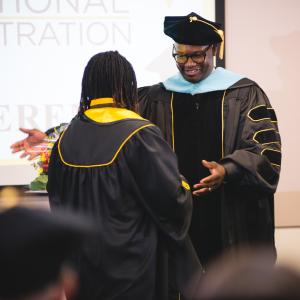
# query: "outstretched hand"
29 145
211 182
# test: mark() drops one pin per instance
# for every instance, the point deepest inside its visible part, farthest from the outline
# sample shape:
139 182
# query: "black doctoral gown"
116 167
236 127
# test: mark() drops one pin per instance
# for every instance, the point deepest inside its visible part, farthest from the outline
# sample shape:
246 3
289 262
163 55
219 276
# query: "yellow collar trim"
101 101
111 114
103 164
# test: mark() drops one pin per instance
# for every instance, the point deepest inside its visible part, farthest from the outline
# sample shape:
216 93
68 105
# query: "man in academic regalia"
224 131
115 166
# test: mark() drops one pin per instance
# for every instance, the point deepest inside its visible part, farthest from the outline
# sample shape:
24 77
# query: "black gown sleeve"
257 158
164 192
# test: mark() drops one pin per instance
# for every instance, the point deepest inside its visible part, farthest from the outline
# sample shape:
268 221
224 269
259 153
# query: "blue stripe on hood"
219 79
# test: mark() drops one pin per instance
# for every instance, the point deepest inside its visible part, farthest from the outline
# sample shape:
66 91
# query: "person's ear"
70 282
57 293
54 291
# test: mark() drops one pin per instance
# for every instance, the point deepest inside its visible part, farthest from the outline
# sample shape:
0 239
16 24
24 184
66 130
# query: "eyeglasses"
197 57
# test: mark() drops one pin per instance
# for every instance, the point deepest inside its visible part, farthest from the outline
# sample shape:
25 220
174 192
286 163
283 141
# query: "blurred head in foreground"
252 275
35 245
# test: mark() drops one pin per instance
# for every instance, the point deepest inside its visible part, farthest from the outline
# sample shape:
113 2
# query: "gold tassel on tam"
220 32
221 51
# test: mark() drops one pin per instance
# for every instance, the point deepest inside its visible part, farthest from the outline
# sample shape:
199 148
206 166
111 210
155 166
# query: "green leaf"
39 183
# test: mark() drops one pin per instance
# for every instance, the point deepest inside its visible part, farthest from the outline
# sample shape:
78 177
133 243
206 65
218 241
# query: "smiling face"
192 70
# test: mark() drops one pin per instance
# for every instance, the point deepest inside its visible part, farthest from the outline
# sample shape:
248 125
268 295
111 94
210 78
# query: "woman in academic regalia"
114 166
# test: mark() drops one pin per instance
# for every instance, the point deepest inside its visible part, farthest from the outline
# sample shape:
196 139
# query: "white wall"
263 43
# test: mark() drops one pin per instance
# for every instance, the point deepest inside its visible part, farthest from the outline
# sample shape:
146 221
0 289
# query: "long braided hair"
109 74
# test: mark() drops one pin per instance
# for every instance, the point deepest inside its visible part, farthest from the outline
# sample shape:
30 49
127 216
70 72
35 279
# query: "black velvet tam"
193 30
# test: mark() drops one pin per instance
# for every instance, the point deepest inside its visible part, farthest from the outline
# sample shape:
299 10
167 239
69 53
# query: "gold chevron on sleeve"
273 155
266 136
261 113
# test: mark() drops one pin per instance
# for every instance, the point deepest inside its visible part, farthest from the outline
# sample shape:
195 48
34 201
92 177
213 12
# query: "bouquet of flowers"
41 165
42 162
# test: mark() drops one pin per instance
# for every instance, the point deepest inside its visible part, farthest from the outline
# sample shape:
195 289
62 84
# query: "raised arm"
37 141
28 146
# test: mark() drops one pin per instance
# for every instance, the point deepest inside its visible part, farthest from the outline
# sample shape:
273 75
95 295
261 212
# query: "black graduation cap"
33 247
194 30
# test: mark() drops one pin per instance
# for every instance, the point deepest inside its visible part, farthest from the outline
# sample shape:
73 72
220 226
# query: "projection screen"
45 45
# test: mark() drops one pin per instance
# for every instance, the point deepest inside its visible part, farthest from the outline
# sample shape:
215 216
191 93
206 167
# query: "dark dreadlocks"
109 74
